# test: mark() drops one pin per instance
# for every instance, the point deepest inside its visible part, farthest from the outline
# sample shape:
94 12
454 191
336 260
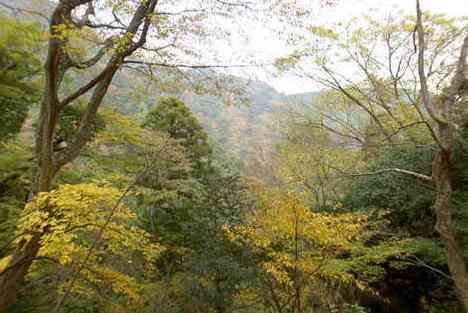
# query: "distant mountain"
301 98
238 128
241 129
36 10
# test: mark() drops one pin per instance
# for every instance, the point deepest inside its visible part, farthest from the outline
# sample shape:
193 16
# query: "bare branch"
418 261
74 3
395 170
335 131
195 66
336 85
428 104
84 89
102 25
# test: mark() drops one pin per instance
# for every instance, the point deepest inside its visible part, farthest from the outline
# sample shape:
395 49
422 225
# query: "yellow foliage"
294 240
72 217
4 262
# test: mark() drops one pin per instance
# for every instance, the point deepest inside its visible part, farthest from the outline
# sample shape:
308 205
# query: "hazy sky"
267 46
353 7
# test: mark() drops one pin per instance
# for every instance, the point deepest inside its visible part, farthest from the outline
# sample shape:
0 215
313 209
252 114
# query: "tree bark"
442 177
13 275
16 270
446 121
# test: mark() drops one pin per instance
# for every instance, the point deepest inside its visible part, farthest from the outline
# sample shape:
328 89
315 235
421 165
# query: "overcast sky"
267 46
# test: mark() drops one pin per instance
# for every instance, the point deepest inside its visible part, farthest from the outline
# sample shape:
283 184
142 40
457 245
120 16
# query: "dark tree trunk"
25 252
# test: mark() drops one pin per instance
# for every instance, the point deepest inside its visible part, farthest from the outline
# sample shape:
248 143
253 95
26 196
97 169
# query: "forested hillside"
139 174
238 125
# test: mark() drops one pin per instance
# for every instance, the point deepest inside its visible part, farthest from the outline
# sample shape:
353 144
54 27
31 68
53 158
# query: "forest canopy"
143 169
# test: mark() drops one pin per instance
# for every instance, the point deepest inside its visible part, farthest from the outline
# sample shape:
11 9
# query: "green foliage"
69 122
19 64
18 56
460 185
173 117
193 235
354 308
408 200
188 217
15 180
14 112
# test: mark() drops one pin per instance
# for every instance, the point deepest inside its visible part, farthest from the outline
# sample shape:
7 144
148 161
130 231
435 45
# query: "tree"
87 261
396 92
59 60
112 44
15 181
409 203
309 159
293 245
110 281
204 270
220 267
443 114
173 117
99 40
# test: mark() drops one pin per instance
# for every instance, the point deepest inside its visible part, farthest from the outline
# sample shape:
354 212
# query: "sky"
356 7
262 43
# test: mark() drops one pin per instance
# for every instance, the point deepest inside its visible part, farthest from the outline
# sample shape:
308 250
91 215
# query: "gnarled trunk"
12 276
442 176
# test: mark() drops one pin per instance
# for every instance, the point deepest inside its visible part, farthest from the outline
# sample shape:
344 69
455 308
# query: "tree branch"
194 66
96 58
396 170
428 104
81 91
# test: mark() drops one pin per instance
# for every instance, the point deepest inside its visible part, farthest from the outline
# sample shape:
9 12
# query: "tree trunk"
48 163
25 252
13 275
46 169
443 181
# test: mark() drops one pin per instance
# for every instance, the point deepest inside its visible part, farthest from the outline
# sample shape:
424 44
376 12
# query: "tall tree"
173 117
444 112
59 61
406 81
